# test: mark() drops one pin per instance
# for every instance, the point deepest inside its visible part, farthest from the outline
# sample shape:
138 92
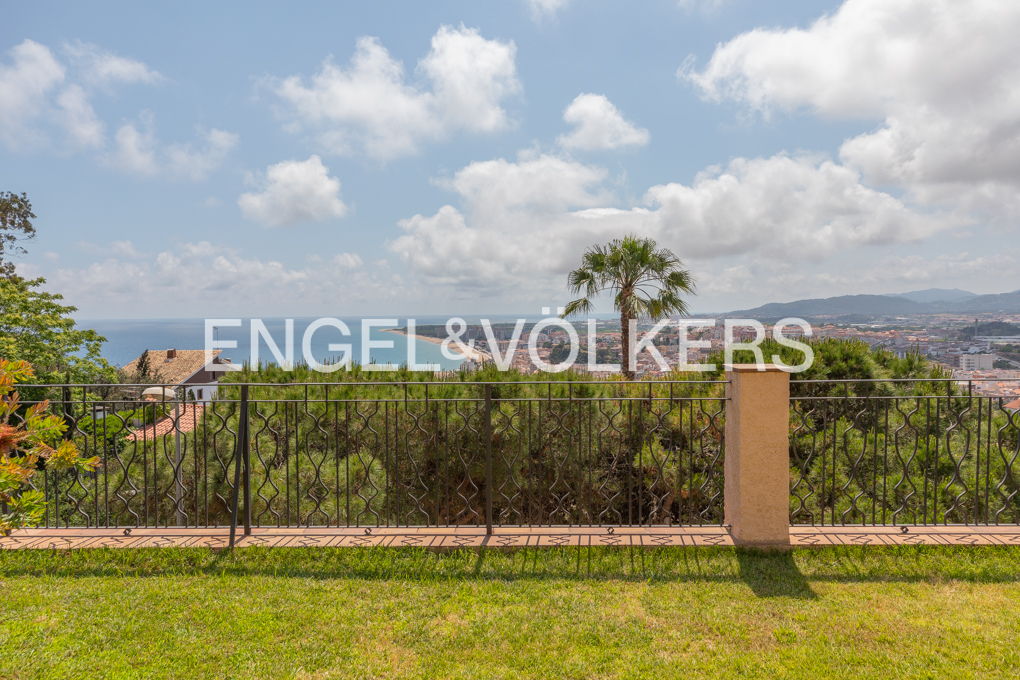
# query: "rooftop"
172 366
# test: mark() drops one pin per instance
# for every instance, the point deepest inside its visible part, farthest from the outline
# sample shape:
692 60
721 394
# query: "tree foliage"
15 224
35 326
29 437
648 282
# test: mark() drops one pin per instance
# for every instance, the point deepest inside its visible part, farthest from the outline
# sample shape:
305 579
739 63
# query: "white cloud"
545 9
124 249
46 101
137 150
293 192
471 76
134 149
598 125
79 117
27 83
897 272
203 278
524 223
197 162
370 107
534 182
942 76
348 260
102 67
704 6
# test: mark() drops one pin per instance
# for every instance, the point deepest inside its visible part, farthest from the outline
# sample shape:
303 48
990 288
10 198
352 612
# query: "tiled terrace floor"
463 537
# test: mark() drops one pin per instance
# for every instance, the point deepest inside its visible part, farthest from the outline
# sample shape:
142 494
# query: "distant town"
980 347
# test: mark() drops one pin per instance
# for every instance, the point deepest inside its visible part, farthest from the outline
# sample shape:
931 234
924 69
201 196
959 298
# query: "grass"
906 612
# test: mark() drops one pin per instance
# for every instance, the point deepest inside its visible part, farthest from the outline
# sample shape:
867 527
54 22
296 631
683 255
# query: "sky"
407 158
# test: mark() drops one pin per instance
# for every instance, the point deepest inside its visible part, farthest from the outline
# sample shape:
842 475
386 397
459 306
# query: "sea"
126 339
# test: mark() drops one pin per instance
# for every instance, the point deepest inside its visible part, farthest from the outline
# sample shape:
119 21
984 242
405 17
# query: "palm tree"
648 282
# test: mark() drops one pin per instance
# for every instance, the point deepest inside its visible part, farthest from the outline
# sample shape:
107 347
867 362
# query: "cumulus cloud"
293 192
78 117
371 107
206 278
705 6
102 67
136 149
47 100
941 75
47 103
348 260
599 125
28 82
550 208
541 183
947 269
545 9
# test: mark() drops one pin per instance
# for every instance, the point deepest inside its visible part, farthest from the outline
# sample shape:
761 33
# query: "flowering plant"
29 436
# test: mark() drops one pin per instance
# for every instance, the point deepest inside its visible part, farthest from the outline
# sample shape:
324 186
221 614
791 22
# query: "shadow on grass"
767 574
773 574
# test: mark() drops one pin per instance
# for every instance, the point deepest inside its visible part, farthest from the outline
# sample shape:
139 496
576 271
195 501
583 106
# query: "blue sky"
191 159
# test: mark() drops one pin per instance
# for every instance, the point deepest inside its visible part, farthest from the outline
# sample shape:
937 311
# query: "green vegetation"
15 225
869 612
354 448
30 438
647 282
989 328
35 326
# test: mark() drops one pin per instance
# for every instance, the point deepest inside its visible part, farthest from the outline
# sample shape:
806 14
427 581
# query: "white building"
977 362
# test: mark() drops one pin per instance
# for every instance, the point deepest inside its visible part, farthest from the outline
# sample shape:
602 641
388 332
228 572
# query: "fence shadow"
773 573
766 573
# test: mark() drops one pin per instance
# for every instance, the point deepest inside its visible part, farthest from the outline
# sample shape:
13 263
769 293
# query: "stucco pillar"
757 462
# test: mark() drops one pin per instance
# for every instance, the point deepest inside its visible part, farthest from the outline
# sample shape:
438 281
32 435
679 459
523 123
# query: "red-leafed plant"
29 435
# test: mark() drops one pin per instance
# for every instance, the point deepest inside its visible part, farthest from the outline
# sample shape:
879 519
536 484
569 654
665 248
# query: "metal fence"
902 452
394 454
528 453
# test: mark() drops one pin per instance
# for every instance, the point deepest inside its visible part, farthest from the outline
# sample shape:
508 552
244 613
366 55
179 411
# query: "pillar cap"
752 368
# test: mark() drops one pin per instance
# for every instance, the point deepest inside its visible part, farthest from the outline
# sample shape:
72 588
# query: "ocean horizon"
126 339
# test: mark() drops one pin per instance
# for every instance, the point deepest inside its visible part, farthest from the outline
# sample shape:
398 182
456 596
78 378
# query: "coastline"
469 353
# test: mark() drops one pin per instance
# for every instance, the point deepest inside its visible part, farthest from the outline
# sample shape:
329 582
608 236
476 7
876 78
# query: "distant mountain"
858 306
1007 303
870 305
936 295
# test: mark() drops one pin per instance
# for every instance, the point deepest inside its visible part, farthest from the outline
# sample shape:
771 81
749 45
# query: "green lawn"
884 613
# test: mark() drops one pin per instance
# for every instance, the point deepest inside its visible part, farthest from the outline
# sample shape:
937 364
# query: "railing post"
757 459
241 460
487 433
246 454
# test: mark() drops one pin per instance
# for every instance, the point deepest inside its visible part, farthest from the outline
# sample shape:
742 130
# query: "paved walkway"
464 537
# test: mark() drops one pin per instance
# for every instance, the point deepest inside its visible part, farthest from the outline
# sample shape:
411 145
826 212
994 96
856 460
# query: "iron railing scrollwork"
394 454
529 453
902 453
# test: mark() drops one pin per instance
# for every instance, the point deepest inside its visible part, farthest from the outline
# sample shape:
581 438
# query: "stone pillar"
757 463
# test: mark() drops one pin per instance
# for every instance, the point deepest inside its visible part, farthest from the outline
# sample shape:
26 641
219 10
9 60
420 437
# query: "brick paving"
466 537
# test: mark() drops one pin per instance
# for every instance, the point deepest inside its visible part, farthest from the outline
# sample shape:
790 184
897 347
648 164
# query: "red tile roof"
172 366
190 417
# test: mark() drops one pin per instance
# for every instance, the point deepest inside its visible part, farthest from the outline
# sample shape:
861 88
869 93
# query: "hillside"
929 295
886 305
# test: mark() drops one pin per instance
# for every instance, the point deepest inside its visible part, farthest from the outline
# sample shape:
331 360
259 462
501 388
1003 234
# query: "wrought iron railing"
527 453
902 452
394 454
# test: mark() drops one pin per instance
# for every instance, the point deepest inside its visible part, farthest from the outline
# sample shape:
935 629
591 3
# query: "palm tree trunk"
625 342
